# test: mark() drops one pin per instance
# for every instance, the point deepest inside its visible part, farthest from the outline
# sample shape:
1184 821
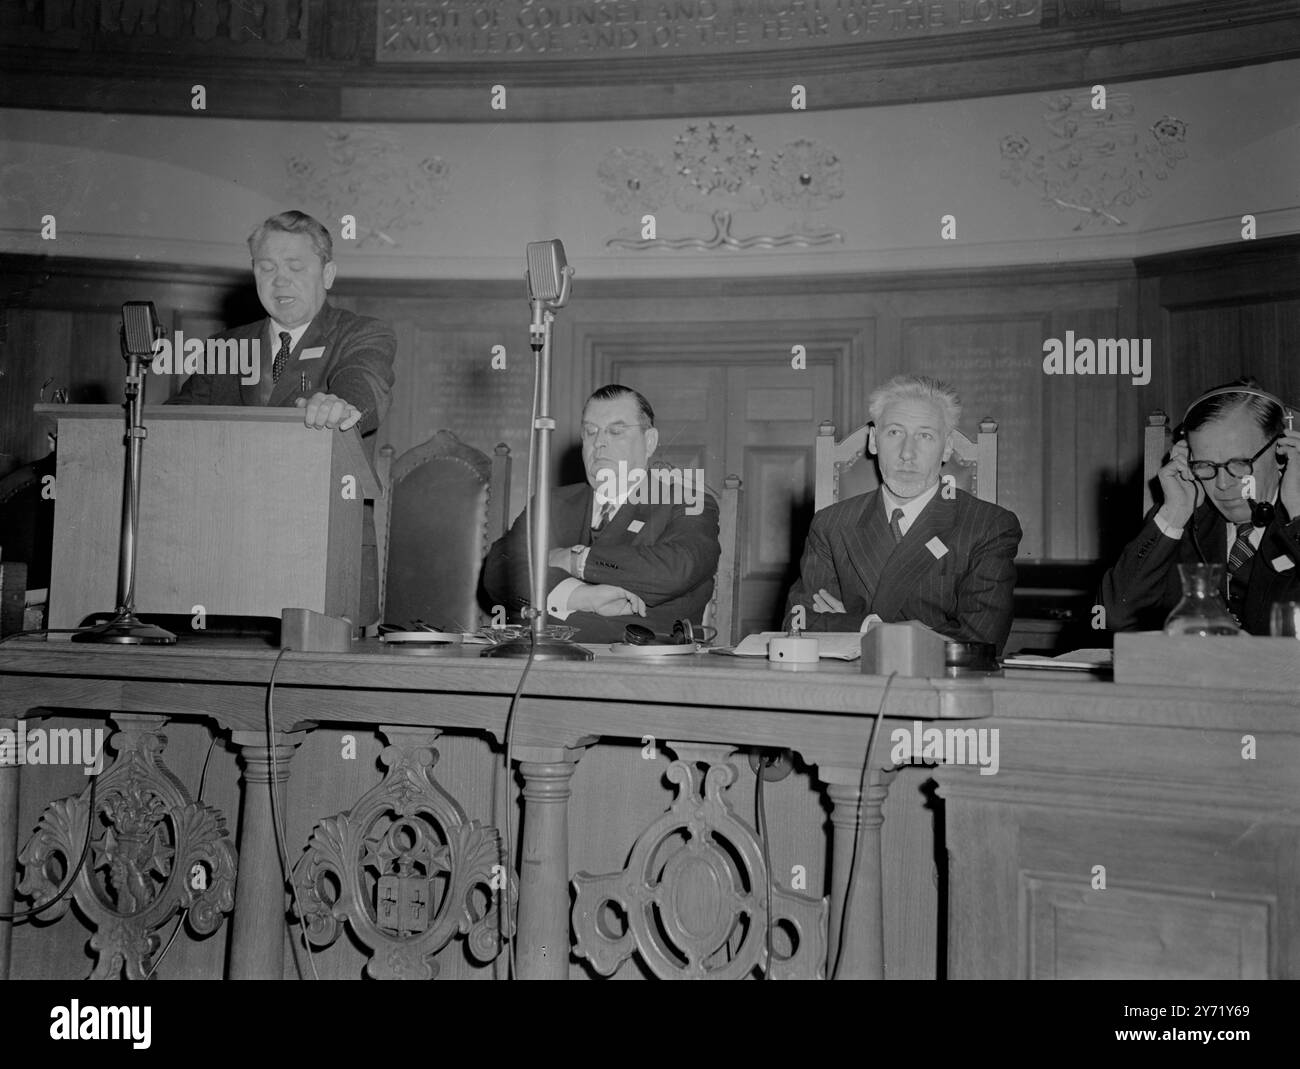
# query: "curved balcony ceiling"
444 60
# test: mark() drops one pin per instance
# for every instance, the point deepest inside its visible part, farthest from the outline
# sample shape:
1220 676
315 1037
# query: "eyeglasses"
1237 467
614 430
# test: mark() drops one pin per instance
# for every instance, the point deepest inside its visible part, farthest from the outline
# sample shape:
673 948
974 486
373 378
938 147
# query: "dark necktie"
607 511
895 526
1241 552
281 358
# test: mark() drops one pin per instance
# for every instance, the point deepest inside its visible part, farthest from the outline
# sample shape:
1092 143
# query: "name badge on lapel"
1282 563
937 548
635 526
314 353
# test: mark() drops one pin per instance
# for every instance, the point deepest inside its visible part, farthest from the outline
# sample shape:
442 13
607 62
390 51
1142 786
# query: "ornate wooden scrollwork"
692 898
153 852
407 870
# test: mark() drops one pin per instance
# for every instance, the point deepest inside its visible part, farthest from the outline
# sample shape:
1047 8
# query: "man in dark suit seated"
333 364
626 546
916 548
1236 441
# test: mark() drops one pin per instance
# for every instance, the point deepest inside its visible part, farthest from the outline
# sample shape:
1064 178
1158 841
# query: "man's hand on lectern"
327 412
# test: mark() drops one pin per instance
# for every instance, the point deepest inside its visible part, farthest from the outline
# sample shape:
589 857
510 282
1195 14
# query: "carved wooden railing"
409 869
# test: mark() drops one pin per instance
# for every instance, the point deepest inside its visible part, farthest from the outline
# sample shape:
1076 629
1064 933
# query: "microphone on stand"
140 329
549 277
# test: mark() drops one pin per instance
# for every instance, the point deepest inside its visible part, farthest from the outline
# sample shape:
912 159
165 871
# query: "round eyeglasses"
1237 467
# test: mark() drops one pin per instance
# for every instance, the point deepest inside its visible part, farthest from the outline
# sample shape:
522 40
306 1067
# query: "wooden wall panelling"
1082 499
995 362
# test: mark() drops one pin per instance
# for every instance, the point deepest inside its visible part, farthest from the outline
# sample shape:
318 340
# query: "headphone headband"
1223 390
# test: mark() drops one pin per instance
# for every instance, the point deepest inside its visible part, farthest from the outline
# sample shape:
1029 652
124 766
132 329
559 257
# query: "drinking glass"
1284 618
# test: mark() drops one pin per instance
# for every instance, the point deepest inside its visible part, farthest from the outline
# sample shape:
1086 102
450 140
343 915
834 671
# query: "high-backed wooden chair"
1156 438
26 538
444 504
844 469
723 610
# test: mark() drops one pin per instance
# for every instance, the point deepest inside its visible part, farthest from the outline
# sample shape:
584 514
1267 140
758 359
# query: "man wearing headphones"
1231 496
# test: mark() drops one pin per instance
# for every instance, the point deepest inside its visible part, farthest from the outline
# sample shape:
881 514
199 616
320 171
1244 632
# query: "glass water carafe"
1202 610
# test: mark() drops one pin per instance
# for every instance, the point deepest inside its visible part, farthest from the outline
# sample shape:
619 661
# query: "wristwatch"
577 558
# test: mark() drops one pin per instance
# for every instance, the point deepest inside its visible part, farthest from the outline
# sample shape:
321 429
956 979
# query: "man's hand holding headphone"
1180 487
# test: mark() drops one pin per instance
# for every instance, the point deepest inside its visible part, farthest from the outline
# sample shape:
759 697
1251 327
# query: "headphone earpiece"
1261 512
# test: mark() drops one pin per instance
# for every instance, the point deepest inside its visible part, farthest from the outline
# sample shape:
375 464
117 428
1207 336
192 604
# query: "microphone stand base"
126 629
548 649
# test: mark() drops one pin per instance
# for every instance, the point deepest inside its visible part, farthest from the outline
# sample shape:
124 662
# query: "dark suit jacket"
357 365
669 562
964 594
1143 587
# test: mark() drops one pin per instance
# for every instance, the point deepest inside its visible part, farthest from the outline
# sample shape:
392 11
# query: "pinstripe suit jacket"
966 593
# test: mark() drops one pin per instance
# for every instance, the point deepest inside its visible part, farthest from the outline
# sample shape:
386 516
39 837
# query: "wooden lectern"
243 512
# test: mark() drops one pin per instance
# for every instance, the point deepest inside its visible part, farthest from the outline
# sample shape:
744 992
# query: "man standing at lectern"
909 550
333 364
617 555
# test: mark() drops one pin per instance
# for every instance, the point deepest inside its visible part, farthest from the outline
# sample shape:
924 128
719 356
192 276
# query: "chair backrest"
723 610
1155 447
444 504
27 519
844 468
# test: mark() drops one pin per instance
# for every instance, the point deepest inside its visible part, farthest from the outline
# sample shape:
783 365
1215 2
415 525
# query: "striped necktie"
1241 552
895 526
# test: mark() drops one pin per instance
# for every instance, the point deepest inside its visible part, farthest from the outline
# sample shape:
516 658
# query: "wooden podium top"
354 451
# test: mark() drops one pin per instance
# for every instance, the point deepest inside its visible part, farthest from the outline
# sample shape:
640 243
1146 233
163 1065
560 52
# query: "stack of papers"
836 645
1091 660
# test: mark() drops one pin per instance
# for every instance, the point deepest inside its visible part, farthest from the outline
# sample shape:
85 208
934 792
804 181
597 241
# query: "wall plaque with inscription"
452 31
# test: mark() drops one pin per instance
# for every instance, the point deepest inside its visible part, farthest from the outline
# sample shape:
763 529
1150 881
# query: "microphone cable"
761 820
23 914
857 828
180 921
277 821
505 929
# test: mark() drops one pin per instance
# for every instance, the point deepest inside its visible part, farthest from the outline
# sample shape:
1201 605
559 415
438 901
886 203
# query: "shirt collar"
599 499
295 334
911 509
